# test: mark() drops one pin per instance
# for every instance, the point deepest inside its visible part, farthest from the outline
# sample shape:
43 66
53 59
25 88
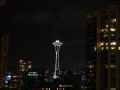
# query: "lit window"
102 48
91 66
106 44
119 48
105 35
104 30
90 71
112 29
112 66
107 26
29 74
102 43
107 48
29 66
22 66
21 61
23 69
112 88
113 43
112 48
112 34
94 48
113 20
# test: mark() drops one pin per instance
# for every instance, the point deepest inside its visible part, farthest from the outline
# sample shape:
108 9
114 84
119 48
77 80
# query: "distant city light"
114 20
113 43
112 48
118 48
112 29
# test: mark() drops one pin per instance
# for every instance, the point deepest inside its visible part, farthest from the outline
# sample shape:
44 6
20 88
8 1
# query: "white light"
106 47
114 20
57 41
118 48
106 44
112 48
102 43
21 61
107 26
112 29
29 66
113 43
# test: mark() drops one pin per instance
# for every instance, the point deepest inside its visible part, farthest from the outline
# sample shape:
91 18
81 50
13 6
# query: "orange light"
14 76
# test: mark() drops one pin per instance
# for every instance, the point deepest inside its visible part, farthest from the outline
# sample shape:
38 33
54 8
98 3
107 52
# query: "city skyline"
35 25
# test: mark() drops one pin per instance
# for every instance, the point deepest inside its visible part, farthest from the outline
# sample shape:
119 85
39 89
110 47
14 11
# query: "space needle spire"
57 45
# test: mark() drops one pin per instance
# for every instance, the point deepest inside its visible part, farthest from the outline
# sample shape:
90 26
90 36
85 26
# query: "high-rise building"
23 66
103 49
3 58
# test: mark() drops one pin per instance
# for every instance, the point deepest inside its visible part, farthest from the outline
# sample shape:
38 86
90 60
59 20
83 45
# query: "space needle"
57 45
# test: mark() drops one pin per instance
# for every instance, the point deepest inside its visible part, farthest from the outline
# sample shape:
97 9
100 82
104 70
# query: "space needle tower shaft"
57 45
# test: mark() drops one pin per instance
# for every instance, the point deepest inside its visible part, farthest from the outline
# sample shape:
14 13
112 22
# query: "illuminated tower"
57 45
3 57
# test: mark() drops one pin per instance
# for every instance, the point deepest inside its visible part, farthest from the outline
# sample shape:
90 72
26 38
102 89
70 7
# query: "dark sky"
33 25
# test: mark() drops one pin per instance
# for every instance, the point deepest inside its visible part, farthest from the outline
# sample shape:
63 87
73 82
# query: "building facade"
103 49
23 67
3 58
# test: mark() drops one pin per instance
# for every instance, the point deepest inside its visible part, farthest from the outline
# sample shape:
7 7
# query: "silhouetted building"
83 80
3 58
10 81
33 80
103 49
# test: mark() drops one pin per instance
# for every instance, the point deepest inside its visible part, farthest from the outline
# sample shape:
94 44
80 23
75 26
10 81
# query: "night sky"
33 25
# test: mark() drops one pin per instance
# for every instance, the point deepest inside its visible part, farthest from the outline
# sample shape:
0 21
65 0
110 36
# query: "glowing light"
112 88
102 48
107 48
102 43
112 48
114 20
106 44
21 61
94 48
118 48
105 35
91 66
113 43
112 29
14 76
113 35
90 71
104 30
57 45
107 26
29 66
112 66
